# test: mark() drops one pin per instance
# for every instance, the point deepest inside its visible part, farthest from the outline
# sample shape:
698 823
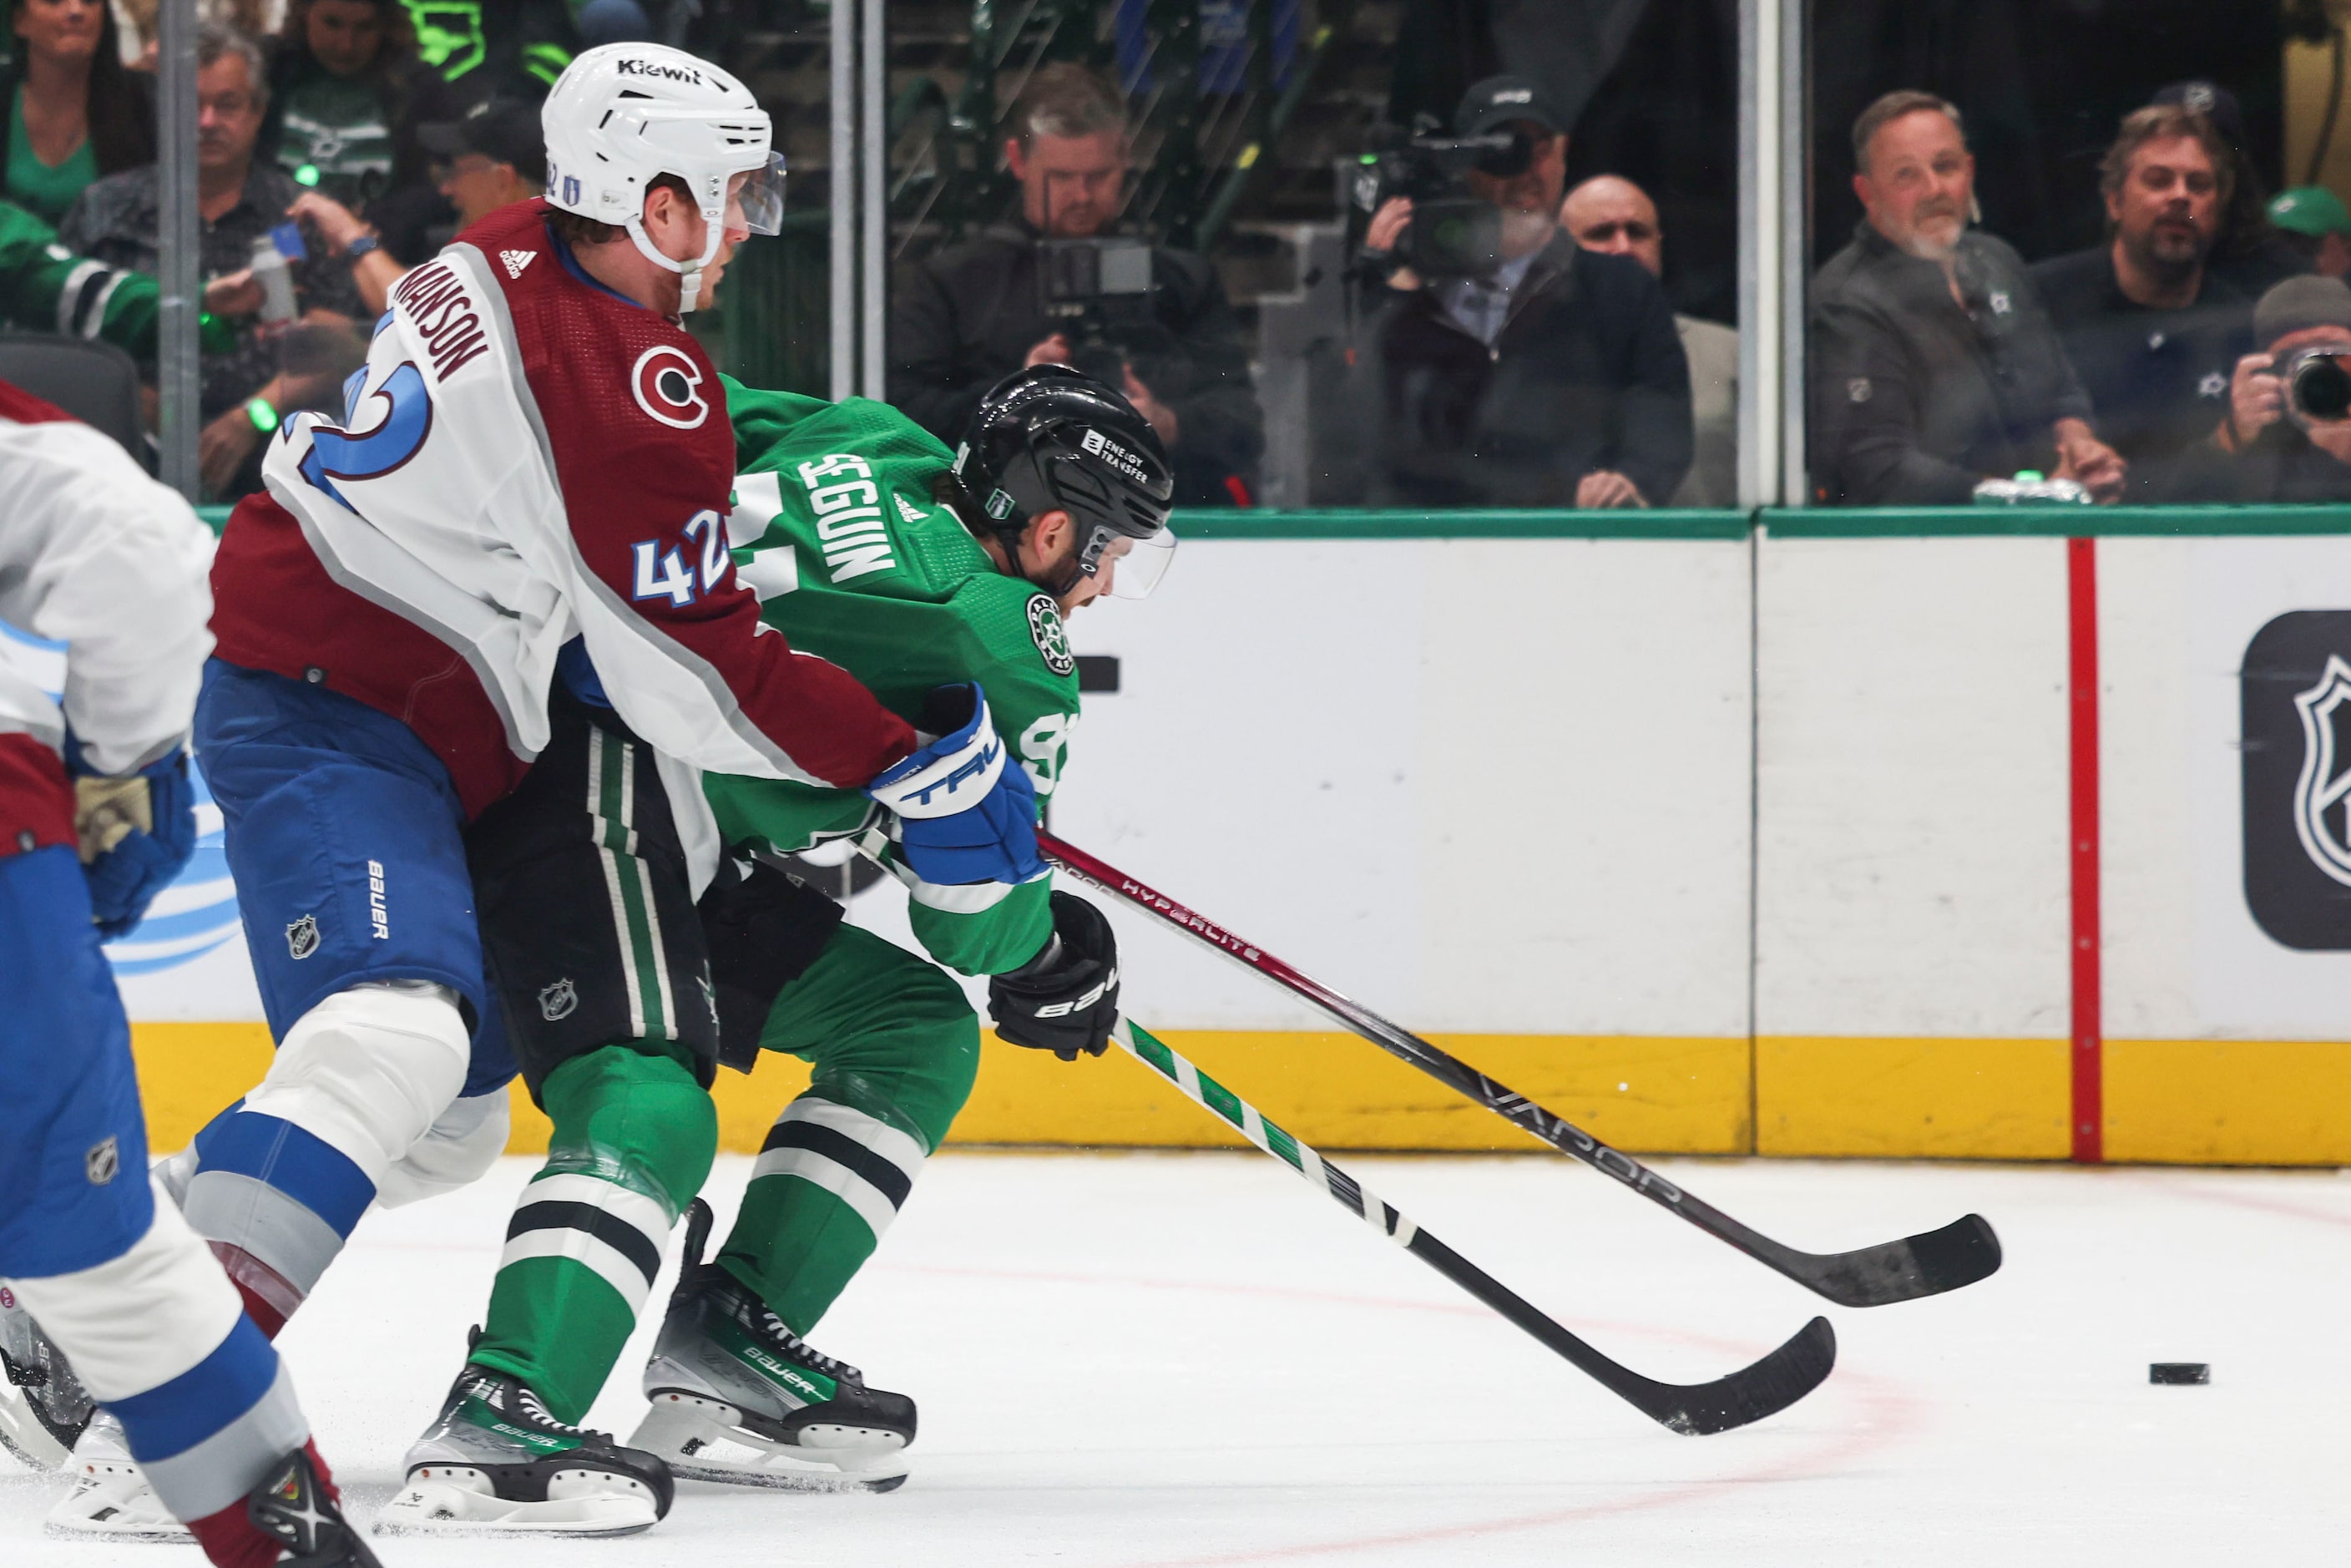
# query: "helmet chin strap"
689 273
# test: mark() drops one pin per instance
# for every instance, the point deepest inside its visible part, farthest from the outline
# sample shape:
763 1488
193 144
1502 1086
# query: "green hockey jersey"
835 529
45 288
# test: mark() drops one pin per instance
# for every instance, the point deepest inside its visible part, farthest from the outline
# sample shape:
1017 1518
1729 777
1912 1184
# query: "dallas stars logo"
1052 637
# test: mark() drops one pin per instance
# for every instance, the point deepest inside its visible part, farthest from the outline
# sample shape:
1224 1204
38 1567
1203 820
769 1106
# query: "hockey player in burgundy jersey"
512 539
101 639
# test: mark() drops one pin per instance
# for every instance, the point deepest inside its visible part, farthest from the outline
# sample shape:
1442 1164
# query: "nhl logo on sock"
558 1001
102 1161
302 936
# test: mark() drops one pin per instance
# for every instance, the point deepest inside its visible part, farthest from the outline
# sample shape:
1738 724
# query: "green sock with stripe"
634 1136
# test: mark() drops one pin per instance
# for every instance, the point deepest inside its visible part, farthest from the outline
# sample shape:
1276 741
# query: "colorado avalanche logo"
667 384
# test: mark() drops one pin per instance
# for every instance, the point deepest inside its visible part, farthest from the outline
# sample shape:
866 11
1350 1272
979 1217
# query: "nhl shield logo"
558 1001
302 936
2319 810
102 1161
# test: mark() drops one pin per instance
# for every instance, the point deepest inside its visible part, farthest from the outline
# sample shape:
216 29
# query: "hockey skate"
43 1408
294 1507
111 1500
736 1397
496 1462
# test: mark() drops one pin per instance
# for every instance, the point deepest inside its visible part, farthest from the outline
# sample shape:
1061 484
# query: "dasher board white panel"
1912 875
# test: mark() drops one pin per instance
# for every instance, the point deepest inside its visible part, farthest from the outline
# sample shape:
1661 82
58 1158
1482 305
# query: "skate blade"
432 1507
697 1446
110 1525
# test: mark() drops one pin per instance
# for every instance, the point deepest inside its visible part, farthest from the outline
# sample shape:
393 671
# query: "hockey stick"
1765 1388
1926 1264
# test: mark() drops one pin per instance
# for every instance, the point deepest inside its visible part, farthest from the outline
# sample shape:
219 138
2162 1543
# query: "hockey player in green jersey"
47 288
870 546
931 580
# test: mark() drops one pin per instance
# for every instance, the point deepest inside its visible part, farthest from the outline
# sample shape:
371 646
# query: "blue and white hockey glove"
137 832
966 812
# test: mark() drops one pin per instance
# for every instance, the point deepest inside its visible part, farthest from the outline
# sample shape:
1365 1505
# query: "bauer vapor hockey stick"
1926 1264
1765 1388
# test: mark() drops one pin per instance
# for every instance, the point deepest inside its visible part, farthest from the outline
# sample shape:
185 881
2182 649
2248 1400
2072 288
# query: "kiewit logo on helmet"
1111 453
1515 95
661 69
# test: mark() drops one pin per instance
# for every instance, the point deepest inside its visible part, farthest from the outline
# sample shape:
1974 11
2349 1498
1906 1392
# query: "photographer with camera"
1512 368
2288 434
1059 286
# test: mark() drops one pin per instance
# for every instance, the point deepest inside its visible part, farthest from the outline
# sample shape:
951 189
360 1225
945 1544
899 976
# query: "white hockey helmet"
625 113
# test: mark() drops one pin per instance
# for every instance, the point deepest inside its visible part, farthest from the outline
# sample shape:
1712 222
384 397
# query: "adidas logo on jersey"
907 509
516 260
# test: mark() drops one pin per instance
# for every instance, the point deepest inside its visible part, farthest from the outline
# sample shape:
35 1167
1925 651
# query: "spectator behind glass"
2151 331
269 371
970 315
2249 253
1615 217
1934 366
341 82
1558 380
493 156
2269 451
2309 221
75 114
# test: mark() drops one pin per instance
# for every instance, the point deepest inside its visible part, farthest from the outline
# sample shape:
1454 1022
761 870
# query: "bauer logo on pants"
2295 691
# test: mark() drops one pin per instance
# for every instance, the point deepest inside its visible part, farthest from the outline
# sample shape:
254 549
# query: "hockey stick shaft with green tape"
1933 1261
1749 1395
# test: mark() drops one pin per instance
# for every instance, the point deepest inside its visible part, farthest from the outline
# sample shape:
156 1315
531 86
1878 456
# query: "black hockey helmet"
1049 438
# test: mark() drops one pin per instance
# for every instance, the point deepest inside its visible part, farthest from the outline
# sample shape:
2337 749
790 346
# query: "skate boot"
111 1500
294 1509
497 1463
737 1397
43 1408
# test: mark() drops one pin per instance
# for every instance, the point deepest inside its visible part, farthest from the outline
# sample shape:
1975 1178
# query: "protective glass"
761 196
1135 565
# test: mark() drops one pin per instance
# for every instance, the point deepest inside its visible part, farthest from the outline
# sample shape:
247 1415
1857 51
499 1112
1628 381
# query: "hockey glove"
966 814
136 833
1065 999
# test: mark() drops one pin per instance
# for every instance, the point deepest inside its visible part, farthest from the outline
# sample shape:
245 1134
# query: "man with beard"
1556 381
1934 365
2151 332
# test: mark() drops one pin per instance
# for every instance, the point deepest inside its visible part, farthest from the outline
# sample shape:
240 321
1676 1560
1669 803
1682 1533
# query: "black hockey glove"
1064 999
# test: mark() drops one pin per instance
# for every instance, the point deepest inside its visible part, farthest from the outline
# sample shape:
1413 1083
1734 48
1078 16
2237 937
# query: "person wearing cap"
2271 450
488 158
2311 220
2249 253
1934 365
1558 380
967 315
2151 331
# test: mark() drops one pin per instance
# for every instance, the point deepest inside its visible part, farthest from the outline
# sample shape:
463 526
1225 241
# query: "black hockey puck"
2180 1371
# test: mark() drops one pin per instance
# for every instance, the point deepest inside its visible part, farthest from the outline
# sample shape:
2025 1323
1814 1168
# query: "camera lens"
2322 389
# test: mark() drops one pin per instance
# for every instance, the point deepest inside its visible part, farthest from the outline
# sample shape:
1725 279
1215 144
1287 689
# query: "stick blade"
1750 1394
1928 1264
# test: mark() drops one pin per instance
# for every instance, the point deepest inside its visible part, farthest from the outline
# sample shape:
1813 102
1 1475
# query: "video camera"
2318 385
1453 234
1097 293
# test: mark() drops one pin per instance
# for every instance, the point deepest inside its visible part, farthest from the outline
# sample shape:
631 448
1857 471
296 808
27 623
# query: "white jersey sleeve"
97 557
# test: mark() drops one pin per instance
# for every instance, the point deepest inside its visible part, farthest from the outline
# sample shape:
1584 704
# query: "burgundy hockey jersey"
525 458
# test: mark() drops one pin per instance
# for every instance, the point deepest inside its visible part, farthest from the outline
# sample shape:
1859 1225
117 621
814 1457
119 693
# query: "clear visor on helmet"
1133 566
755 197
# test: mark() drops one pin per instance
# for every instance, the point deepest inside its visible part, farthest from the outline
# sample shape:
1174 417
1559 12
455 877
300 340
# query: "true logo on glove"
302 938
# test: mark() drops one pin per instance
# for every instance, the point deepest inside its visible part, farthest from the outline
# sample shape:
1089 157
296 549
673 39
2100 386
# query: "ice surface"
1193 1360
